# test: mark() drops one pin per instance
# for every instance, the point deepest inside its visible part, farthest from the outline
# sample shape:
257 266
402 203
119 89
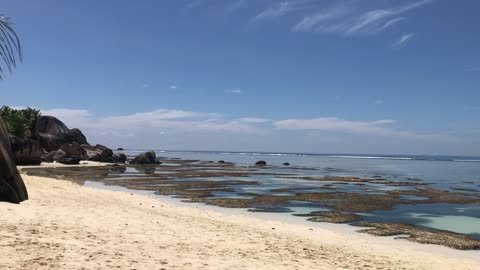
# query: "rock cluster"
55 142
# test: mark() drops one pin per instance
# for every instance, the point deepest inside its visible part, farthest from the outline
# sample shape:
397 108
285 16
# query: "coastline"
65 225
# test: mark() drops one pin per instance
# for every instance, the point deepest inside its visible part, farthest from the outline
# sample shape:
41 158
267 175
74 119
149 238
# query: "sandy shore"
67 226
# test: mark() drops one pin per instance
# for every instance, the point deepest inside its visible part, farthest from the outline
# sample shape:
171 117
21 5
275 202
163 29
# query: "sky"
317 76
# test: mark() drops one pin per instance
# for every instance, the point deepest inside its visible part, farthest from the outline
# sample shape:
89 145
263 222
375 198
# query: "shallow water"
443 172
446 173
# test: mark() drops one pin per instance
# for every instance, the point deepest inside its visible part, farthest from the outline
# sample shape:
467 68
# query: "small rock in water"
221 161
286 164
261 163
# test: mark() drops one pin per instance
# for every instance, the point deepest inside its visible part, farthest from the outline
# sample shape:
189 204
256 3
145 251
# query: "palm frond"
10 48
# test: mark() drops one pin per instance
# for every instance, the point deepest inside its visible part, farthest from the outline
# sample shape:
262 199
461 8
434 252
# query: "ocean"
452 173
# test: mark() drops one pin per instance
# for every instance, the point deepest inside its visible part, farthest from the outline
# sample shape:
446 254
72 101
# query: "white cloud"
347 20
403 40
333 124
379 101
373 128
275 11
254 120
236 91
392 22
183 129
279 10
154 121
173 87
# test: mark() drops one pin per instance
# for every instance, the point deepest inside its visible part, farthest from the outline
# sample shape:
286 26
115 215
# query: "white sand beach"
67 226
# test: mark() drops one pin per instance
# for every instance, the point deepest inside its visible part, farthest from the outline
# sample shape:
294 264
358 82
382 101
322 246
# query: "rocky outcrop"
26 151
286 164
119 158
12 188
78 137
145 158
261 163
62 157
120 149
74 150
98 153
52 133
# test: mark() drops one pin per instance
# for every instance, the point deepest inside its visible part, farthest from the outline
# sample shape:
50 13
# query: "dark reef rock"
26 151
53 133
286 164
331 217
145 158
98 153
120 149
420 235
12 188
119 158
261 163
221 161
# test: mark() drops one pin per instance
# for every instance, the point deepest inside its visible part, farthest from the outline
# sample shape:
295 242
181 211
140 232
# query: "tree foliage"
10 49
20 123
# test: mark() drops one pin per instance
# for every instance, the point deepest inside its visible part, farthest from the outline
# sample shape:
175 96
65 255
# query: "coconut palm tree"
10 49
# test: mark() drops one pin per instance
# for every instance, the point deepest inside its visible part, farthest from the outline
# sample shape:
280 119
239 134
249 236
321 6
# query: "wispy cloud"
173 87
236 6
376 128
393 22
333 124
347 20
236 91
274 11
254 120
379 102
403 40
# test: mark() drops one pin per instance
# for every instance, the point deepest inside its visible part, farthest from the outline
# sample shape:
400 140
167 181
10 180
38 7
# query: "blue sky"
345 76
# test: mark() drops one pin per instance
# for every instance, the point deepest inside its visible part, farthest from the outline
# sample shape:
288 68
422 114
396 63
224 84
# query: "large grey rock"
62 157
12 188
78 136
98 152
53 133
145 158
119 158
26 151
74 150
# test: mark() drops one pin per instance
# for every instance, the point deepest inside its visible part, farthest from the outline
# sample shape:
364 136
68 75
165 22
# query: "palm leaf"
10 48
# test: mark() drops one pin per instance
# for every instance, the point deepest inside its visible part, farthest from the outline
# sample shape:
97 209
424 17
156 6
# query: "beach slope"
67 226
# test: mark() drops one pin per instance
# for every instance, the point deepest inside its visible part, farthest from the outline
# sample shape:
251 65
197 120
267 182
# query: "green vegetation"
20 123
9 46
